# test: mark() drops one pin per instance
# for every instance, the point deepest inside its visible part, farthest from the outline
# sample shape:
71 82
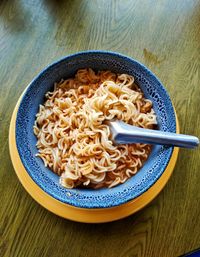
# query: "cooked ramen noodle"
74 140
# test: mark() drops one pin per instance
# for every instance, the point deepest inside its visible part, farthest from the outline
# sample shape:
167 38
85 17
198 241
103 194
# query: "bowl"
64 68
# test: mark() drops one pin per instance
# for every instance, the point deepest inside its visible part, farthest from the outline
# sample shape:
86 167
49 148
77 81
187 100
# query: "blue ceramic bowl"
67 67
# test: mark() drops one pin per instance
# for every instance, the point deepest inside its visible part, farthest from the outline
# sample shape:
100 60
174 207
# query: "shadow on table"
17 16
131 226
13 16
60 7
68 17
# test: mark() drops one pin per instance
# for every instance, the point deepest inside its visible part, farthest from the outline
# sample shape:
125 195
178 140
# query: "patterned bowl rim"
98 198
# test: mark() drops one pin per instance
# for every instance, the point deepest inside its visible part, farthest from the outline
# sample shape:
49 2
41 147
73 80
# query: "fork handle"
123 133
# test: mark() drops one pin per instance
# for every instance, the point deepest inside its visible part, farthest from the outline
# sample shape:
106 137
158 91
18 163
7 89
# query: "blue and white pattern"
65 68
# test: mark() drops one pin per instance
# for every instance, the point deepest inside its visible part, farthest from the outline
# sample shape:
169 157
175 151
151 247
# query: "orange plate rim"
97 215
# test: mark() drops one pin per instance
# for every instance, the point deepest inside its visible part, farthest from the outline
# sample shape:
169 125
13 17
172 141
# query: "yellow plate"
81 214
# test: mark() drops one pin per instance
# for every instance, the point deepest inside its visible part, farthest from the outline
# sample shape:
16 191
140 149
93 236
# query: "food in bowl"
153 168
73 139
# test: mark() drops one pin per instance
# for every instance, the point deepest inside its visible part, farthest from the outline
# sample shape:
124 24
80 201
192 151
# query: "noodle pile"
73 138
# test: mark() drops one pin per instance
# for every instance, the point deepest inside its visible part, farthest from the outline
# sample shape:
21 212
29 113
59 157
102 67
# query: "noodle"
73 138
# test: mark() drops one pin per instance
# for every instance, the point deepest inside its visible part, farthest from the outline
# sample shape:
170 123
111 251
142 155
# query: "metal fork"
123 133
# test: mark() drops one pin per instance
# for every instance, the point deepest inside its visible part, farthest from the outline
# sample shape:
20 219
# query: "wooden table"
165 36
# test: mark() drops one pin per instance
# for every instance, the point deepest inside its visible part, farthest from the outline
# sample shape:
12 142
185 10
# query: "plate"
90 215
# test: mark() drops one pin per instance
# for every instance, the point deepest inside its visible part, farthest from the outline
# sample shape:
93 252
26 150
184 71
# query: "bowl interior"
65 68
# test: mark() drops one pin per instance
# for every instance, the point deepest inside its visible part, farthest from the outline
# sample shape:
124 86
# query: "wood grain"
162 34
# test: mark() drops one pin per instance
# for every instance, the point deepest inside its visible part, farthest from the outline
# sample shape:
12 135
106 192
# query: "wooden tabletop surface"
162 34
